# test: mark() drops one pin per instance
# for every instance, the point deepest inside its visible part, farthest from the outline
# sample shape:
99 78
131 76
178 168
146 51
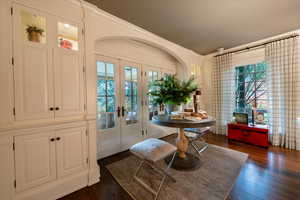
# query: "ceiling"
205 25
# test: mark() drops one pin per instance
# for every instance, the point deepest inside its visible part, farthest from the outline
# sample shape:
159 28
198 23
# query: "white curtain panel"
283 87
223 84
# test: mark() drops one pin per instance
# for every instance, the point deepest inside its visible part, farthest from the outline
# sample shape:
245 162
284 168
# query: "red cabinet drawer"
234 133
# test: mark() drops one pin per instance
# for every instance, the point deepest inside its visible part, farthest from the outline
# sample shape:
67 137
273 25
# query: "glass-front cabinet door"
108 111
131 92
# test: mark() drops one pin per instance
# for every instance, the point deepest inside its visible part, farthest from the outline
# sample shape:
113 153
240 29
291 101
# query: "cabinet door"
32 65
68 71
35 159
71 150
6 168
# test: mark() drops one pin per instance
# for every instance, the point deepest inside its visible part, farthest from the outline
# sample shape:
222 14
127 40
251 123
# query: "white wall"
137 52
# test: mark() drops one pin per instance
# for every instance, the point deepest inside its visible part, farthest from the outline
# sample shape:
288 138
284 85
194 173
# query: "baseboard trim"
56 189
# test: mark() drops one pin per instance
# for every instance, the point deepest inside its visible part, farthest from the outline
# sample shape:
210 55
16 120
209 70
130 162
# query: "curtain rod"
258 45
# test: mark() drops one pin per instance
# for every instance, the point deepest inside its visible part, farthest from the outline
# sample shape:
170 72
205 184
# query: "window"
106 95
251 91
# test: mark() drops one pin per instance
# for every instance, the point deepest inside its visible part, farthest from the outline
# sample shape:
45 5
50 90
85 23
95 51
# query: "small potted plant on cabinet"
34 33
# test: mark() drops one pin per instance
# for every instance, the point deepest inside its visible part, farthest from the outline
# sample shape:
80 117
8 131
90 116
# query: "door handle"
123 111
118 111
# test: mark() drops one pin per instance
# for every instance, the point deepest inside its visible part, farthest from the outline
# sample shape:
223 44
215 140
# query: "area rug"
212 181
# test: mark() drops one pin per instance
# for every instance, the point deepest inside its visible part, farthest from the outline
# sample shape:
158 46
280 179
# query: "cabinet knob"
51 108
52 139
58 138
57 108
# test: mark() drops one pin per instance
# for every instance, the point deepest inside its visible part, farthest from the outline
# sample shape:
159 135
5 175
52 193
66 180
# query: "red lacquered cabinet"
256 135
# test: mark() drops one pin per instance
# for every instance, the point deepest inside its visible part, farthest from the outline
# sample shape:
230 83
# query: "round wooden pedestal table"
183 160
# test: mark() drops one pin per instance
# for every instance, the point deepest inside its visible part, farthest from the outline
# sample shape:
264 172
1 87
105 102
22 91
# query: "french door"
119 118
131 92
108 117
124 108
150 74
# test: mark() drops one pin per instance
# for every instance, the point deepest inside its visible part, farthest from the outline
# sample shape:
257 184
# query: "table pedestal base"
190 162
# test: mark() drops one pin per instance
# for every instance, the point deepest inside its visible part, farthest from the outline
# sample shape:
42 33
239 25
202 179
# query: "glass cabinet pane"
67 36
34 27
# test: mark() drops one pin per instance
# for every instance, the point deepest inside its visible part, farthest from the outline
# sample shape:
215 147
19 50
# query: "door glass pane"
110 104
67 36
106 95
110 87
110 70
34 27
127 72
128 89
134 88
101 122
101 104
101 87
131 94
110 120
101 69
152 108
134 74
128 104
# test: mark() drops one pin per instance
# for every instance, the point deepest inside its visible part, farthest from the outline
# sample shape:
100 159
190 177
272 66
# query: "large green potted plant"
172 92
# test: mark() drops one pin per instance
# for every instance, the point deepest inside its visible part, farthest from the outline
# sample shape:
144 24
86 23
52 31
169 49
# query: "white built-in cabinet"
49 79
49 155
49 150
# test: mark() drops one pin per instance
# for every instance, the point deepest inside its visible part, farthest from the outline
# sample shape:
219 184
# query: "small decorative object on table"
240 118
196 99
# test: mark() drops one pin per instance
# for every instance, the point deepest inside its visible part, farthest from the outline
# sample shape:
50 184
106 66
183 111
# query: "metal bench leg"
198 149
164 173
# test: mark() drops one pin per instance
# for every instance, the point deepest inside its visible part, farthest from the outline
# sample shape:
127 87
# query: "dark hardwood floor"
272 174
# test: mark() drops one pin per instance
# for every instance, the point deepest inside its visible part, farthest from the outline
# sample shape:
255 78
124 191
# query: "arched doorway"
125 67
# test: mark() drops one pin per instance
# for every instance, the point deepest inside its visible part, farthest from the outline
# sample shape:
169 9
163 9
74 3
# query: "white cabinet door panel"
68 69
71 150
32 68
6 168
35 159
